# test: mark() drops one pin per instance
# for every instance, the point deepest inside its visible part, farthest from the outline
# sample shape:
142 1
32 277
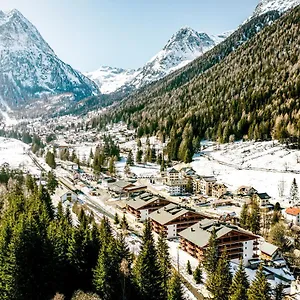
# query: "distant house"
144 204
269 251
239 243
106 181
172 219
176 187
188 172
175 182
206 185
218 190
292 215
246 191
119 187
263 199
67 195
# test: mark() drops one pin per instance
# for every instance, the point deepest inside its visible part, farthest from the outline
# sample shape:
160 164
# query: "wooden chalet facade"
239 243
172 219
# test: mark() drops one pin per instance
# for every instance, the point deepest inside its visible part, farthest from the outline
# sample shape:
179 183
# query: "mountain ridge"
183 47
29 68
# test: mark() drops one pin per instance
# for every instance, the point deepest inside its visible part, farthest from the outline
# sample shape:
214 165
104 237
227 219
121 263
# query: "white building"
67 195
292 215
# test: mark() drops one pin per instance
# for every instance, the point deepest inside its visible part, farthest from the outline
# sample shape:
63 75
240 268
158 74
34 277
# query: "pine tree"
219 282
129 160
139 143
146 270
244 216
189 268
164 260
124 224
52 183
106 273
254 217
294 193
197 275
116 219
189 186
139 155
260 288
50 160
163 164
279 292
153 155
175 291
91 156
211 254
240 284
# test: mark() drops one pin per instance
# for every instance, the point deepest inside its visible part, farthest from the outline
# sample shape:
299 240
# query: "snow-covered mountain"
110 79
279 5
183 47
29 68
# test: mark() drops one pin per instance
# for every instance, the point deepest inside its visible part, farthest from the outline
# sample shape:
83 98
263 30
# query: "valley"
175 180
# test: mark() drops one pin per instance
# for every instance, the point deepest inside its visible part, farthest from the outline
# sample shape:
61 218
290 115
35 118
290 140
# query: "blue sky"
123 33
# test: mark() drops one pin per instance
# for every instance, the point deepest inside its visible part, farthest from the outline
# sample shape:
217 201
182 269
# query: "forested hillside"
253 94
43 252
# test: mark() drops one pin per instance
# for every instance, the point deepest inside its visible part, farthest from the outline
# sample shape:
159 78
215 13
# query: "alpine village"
177 180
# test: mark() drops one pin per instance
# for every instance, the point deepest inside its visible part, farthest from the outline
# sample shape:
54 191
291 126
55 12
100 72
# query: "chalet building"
219 190
263 199
135 189
172 219
119 187
172 175
175 182
269 252
239 243
176 187
246 191
204 185
67 195
188 172
292 215
144 204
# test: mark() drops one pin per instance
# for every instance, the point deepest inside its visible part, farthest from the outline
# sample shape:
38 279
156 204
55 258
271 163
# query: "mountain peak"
29 68
186 36
278 5
14 12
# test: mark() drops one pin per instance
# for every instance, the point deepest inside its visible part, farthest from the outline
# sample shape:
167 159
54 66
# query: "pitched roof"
294 211
268 248
263 195
209 178
168 213
138 202
200 232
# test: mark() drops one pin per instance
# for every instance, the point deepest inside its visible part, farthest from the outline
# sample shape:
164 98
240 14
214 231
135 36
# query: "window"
245 255
246 242
245 248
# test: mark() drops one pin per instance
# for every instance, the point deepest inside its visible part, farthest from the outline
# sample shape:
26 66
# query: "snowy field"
14 152
263 165
141 171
